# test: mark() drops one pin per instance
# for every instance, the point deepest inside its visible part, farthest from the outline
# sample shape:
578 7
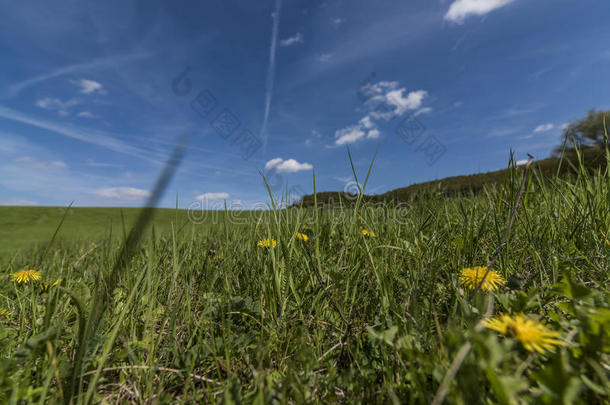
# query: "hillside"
463 184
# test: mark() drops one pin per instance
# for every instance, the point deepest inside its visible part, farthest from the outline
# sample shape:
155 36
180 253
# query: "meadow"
366 303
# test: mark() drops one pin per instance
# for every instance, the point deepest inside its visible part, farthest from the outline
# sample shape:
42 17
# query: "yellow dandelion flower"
533 335
302 236
45 287
471 277
499 323
367 233
24 276
4 313
266 243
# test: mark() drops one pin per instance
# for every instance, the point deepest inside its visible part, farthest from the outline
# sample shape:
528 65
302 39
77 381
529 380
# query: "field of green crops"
364 304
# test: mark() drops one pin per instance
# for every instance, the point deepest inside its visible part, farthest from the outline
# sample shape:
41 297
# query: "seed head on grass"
25 276
367 233
267 243
302 236
533 335
471 277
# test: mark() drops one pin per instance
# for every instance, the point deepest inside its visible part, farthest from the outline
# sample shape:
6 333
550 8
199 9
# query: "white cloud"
85 114
296 39
511 112
286 166
122 193
412 101
461 9
325 57
89 86
62 107
349 134
56 164
388 92
521 162
339 21
356 133
384 100
544 127
212 196
375 91
373 134
565 126
366 122
18 202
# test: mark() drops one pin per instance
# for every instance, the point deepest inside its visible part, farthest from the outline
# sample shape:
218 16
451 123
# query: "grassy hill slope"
460 185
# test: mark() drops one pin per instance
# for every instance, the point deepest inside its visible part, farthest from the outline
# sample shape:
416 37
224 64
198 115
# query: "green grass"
200 314
23 227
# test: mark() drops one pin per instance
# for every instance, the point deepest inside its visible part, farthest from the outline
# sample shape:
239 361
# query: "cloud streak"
99 63
56 164
271 71
94 137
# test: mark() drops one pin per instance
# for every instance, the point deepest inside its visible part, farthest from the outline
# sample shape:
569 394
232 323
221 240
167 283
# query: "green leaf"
559 384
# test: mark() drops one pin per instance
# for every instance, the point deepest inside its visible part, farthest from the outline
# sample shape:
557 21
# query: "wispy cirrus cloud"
462 9
123 193
99 63
18 203
93 163
86 114
56 164
325 57
424 110
95 137
56 104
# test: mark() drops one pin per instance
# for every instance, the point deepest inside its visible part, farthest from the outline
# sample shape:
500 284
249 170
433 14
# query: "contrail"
271 71
99 63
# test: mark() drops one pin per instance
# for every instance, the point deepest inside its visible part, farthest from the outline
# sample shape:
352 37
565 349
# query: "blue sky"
94 95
